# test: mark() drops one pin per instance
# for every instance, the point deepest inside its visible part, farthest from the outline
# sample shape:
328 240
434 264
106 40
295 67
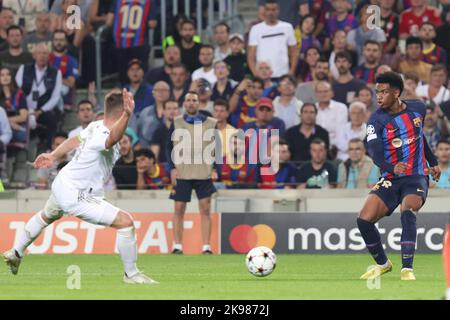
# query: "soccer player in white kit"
78 188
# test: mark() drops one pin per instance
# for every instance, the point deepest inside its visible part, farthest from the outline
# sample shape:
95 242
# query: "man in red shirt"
412 19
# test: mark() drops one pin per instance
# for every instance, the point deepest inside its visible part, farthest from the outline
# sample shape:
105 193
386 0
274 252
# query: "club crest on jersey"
417 122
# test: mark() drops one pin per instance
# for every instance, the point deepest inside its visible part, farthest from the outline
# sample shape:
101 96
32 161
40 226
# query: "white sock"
448 294
126 243
32 230
178 246
206 247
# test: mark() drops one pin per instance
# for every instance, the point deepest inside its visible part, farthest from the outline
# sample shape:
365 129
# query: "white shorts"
79 204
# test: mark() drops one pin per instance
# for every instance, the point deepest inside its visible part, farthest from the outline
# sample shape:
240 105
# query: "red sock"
446 255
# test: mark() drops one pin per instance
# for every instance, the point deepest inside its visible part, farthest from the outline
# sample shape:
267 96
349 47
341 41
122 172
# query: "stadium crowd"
305 67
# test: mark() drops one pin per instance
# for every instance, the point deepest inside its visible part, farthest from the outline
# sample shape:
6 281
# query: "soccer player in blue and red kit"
130 21
397 146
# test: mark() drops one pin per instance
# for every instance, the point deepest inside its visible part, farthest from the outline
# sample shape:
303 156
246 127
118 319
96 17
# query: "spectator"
204 91
151 117
221 114
46 176
85 112
345 86
305 35
435 92
358 171
6 21
320 10
42 33
264 71
353 129
174 36
286 175
366 96
235 171
412 61
97 13
190 50
372 56
319 173
383 69
41 84
443 156
15 55
124 171
141 90
299 137
179 82
221 38
412 18
150 174
287 106
305 67
68 65
25 12
411 82
280 49
339 44
432 53
13 101
390 25
289 10
442 33
340 20
321 72
357 38
5 131
172 57
206 71
332 115
63 20
243 102
224 87
131 40
237 60
431 130
264 118
161 134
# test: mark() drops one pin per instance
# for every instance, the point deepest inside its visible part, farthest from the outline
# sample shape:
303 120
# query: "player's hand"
435 173
214 175
401 167
173 177
45 160
128 102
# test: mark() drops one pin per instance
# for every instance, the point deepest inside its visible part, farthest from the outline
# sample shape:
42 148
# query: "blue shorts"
393 191
183 189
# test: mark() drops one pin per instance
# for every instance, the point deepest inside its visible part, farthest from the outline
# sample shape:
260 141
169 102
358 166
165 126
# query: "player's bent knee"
123 220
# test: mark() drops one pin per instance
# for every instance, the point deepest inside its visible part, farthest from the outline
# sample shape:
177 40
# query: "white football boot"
139 278
12 260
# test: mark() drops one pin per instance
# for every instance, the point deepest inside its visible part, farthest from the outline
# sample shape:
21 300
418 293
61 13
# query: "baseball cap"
264 102
236 35
135 61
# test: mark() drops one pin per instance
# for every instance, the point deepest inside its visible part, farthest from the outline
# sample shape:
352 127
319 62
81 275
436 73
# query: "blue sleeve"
169 148
375 146
429 155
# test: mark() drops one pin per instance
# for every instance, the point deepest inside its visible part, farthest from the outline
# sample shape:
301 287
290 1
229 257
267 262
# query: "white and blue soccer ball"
261 261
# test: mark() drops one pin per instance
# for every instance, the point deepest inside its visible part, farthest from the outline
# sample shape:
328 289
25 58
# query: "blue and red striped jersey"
402 138
130 26
365 74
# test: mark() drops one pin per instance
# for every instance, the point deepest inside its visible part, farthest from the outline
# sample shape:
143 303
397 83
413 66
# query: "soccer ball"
261 261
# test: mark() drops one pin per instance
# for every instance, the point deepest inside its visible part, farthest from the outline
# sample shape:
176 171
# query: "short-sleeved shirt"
15 103
390 26
317 179
402 137
92 165
444 180
272 44
67 64
130 26
410 23
299 145
13 63
333 24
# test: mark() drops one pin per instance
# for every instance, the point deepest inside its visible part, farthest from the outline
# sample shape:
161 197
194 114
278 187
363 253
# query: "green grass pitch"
224 277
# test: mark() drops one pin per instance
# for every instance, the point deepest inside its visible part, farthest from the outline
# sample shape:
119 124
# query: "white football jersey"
92 165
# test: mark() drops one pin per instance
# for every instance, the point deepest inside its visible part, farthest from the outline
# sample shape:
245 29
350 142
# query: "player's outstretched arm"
46 160
120 126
